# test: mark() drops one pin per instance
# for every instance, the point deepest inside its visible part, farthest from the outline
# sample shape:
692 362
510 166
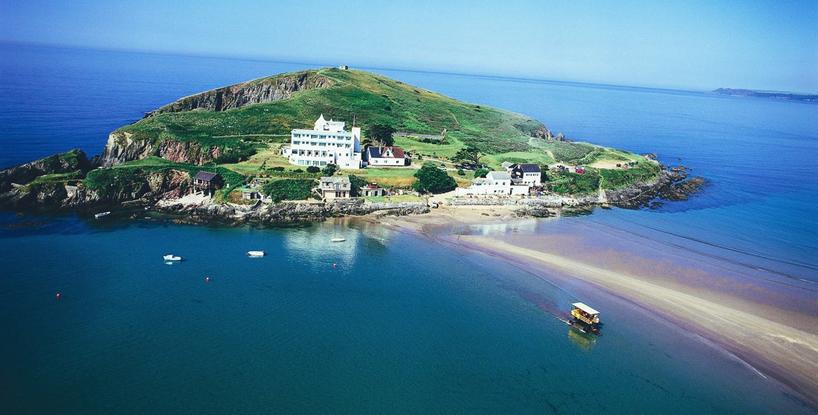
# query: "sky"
767 45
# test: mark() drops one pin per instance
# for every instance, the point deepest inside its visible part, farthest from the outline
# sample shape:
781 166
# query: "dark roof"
206 176
378 152
528 168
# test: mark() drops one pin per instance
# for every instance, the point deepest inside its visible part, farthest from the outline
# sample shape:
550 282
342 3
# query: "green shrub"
235 154
573 183
288 189
460 172
313 169
481 172
329 169
431 179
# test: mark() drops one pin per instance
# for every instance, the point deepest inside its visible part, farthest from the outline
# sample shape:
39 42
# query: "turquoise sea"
399 323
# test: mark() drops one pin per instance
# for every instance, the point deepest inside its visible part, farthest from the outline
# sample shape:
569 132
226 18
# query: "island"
787 96
330 142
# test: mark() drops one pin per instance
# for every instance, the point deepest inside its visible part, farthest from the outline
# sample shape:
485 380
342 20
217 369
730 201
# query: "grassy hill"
245 124
351 95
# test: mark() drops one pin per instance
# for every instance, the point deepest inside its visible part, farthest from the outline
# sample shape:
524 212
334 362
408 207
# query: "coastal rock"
68 162
61 194
284 212
122 147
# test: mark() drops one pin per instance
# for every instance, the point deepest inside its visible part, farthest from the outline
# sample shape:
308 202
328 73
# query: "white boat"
255 254
171 258
338 239
101 215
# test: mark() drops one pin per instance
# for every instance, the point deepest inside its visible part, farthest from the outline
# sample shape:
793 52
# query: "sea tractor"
584 318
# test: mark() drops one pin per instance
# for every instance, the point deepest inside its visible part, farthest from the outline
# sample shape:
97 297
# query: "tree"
431 179
467 154
381 134
356 184
329 169
543 173
481 172
313 169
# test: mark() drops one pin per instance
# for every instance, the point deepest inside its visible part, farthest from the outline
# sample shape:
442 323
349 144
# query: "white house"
385 156
495 183
526 174
326 143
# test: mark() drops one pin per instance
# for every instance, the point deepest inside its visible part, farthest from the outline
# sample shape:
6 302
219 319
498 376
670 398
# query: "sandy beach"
769 324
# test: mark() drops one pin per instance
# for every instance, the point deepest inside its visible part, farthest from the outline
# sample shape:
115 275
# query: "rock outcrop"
144 188
68 162
122 147
258 91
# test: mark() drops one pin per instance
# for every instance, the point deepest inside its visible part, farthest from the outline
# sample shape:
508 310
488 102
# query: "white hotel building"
326 143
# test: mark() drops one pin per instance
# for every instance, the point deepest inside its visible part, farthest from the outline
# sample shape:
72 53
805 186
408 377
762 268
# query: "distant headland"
766 94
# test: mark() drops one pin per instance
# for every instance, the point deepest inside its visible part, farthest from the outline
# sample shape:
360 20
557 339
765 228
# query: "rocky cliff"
257 91
122 146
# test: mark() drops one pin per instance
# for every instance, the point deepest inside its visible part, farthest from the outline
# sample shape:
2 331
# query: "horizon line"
307 61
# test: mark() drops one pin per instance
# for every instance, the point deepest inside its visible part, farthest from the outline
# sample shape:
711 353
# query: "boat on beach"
171 258
255 254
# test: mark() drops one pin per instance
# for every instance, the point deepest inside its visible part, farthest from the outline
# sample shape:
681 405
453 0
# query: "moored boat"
171 258
338 239
255 254
101 215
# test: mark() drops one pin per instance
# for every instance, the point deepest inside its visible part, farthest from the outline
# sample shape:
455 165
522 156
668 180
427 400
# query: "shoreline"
770 339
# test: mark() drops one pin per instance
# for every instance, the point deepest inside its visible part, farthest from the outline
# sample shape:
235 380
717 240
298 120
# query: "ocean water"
399 324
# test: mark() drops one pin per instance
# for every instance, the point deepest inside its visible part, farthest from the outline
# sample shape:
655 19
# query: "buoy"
59 295
207 279
333 265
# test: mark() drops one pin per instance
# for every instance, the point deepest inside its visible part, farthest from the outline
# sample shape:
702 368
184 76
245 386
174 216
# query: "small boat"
585 318
171 258
338 239
255 254
101 215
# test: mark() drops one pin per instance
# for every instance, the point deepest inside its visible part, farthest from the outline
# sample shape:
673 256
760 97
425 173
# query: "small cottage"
389 156
335 187
372 189
207 182
251 193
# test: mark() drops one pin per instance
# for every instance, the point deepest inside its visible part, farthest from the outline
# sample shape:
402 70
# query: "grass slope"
367 98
